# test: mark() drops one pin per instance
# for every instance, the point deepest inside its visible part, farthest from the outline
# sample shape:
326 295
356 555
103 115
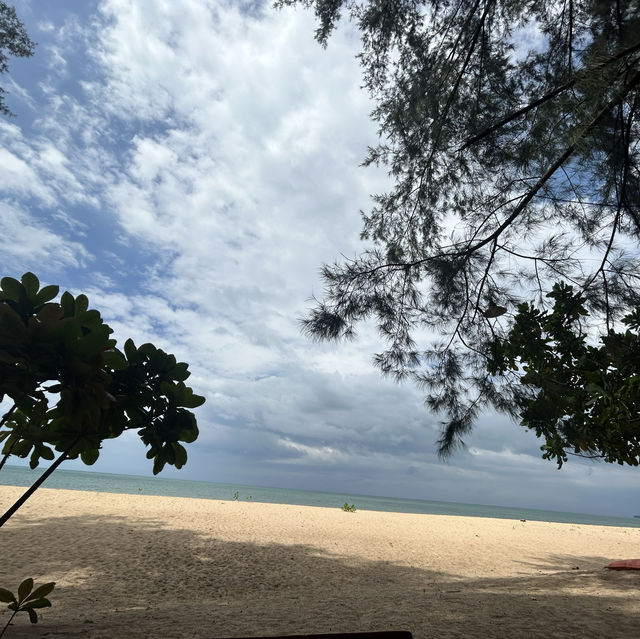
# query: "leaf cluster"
27 600
72 388
582 398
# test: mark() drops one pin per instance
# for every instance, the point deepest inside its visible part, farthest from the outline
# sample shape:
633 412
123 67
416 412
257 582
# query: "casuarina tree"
510 129
14 41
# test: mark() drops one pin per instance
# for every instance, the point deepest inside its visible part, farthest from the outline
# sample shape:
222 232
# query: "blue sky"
189 165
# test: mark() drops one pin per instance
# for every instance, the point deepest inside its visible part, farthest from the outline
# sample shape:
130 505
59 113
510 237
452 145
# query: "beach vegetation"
347 508
70 388
510 130
587 397
14 41
27 600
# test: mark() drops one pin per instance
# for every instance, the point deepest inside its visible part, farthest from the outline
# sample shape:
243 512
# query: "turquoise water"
133 484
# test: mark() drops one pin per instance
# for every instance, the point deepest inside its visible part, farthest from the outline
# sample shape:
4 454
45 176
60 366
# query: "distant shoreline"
178 487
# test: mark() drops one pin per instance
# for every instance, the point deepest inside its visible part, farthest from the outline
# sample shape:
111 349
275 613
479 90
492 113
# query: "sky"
189 165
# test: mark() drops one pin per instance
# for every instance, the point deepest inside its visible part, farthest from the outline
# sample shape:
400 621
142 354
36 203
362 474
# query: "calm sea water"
133 484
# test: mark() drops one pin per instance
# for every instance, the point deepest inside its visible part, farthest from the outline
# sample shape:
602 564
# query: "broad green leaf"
89 457
6 596
158 465
46 294
25 588
114 359
82 304
189 435
180 372
68 304
180 455
130 350
46 453
148 349
42 591
31 285
33 615
37 603
192 400
12 288
22 448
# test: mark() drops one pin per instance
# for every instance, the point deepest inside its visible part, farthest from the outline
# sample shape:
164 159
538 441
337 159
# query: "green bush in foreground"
347 508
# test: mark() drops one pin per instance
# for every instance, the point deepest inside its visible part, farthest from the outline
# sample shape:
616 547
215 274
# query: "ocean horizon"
176 487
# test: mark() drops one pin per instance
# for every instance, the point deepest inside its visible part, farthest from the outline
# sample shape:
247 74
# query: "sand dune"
142 566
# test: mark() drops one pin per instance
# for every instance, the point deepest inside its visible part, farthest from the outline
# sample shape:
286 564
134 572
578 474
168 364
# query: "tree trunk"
36 484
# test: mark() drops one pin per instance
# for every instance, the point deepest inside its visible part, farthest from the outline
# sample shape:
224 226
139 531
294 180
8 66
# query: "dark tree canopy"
14 41
69 388
510 128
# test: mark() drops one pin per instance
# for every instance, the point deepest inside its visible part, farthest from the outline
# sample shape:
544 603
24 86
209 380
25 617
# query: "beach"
146 566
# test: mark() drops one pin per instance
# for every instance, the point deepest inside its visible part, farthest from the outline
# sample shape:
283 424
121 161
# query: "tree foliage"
510 128
584 399
14 41
70 388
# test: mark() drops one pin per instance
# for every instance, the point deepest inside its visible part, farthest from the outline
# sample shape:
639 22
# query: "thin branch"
545 98
36 484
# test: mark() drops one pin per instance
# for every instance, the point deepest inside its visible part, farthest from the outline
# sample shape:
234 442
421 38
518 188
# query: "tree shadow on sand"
117 577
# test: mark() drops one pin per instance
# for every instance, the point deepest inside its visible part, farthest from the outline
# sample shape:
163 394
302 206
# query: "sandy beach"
142 566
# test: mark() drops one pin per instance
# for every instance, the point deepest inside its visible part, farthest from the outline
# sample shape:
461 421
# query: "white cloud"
192 166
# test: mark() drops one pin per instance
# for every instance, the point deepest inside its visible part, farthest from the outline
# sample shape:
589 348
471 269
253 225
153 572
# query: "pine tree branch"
545 98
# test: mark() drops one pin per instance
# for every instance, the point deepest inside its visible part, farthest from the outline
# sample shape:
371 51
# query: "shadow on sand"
117 577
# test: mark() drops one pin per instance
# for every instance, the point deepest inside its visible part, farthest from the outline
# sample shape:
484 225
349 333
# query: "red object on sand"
625 564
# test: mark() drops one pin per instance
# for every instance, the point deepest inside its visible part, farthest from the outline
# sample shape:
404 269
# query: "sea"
135 485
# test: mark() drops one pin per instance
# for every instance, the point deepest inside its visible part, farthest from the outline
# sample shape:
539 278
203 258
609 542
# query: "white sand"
141 566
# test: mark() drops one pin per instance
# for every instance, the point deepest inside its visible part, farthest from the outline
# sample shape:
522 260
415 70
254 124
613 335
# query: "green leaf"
46 294
33 615
31 285
158 465
193 401
6 596
42 591
46 453
12 288
180 372
68 304
180 455
25 588
114 359
82 304
89 457
37 603
130 350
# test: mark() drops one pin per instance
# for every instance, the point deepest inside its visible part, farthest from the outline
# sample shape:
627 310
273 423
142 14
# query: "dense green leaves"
510 129
581 398
71 388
